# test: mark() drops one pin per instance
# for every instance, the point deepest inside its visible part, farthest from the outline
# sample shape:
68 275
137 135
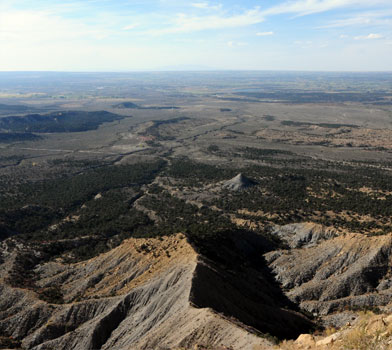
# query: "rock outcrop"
237 183
229 290
326 273
148 294
367 332
303 234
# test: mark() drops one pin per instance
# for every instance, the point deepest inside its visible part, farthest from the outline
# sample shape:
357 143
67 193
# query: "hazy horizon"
206 70
164 35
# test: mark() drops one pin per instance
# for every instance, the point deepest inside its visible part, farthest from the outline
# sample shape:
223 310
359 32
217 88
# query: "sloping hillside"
144 294
325 272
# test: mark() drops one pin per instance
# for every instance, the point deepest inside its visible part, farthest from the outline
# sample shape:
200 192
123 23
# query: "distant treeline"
324 125
318 97
153 130
132 105
14 108
7 137
67 121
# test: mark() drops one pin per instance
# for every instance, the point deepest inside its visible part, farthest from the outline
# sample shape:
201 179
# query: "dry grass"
371 332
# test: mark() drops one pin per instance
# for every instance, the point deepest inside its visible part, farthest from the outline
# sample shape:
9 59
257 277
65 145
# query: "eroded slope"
136 296
325 272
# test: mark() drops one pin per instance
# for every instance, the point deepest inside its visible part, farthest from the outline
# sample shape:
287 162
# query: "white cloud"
206 6
264 33
300 42
370 18
353 21
131 26
185 24
236 44
371 36
40 26
306 7
70 39
343 36
307 44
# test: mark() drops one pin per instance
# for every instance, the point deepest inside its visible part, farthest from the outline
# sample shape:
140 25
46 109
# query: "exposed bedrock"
326 273
173 292
153 293
236 281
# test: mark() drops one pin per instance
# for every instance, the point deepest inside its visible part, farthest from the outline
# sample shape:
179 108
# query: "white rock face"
325 272
305 234
239 182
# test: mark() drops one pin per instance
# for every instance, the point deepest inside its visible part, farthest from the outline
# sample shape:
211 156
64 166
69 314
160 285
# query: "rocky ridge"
173 292
144 294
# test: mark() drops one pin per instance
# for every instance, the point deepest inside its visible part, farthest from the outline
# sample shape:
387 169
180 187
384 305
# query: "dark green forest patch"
67 121
8 137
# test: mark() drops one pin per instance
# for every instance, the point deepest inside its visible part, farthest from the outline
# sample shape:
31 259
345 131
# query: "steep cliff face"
325 273
233 278
144 294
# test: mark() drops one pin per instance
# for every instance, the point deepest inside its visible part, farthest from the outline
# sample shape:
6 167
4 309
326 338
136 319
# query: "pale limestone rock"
305 339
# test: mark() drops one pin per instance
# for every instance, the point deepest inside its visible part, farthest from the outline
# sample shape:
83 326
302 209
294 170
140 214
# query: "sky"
149 35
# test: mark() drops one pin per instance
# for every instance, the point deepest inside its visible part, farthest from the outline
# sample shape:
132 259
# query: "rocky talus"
144 294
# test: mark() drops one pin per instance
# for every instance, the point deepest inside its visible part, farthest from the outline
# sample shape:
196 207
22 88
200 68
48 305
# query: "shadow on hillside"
233 278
